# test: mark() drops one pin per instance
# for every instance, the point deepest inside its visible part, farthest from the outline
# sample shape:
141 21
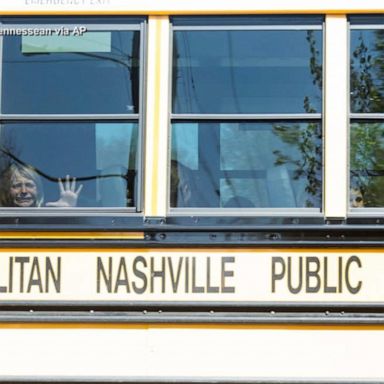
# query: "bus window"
42 75
367 108
71 109
239 164
246 112
100 155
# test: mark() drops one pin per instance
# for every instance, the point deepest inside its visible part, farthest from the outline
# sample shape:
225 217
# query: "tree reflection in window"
308 142
367 97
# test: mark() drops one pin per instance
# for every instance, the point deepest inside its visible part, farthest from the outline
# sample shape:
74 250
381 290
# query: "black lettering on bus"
10 285
186 275
210 288
35 276
340 274
140 275
3 288
107 276
158 274
122 276
51 275
352 289
175 280
226 273
22 260
291 288
195 288
327 288
275 275
312 273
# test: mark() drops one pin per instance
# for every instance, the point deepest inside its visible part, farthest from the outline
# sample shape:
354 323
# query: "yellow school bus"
190 191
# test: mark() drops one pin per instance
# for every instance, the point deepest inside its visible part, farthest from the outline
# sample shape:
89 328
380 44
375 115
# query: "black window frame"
266 22
361 214
84 217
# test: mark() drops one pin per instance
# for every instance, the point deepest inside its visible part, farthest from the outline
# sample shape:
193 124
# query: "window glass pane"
367 71
87 42
248 20
247 71
243 164
367 164
94 73
102 156
367 19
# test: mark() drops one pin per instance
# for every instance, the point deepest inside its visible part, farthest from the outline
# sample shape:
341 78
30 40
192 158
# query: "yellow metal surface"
71 235
167 7
197 250
157 118
336 122
140 326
